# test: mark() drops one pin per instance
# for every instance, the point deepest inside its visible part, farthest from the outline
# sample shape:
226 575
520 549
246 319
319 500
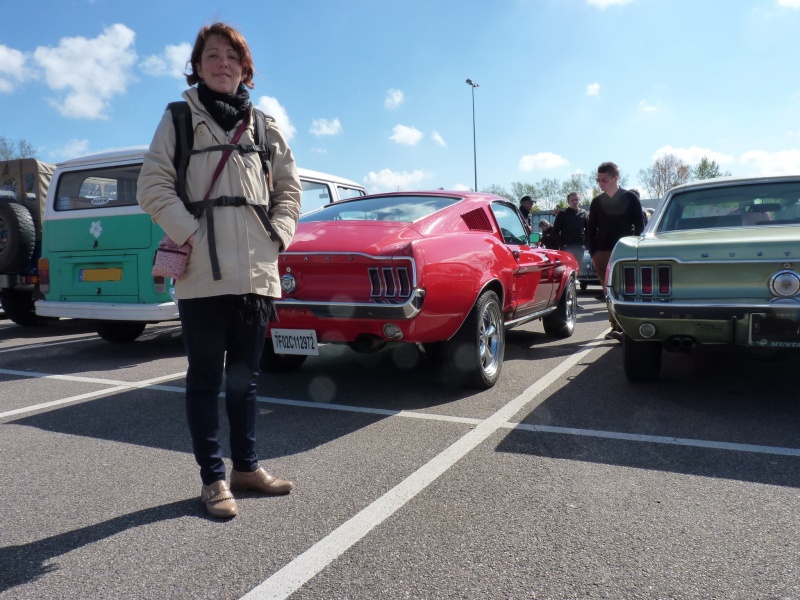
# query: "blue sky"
376 91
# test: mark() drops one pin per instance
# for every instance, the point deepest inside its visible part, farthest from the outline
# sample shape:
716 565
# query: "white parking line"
105 392
291 577
658 439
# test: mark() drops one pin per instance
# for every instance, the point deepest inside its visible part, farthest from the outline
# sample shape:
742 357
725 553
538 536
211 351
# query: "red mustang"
447 271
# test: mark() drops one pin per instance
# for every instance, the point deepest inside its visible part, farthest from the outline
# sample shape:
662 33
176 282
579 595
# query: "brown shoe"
218 500
259 481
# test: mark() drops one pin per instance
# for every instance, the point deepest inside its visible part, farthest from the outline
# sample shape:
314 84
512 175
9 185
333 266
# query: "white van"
98 245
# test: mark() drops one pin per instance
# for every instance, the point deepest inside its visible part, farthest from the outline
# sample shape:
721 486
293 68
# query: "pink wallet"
171 259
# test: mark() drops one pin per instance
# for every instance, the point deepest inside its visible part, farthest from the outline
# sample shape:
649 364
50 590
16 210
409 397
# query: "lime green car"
719 264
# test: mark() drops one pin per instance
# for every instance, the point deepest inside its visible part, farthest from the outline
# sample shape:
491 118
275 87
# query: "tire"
17 237
473 357
561 322
19 307
642 360
119 332
584 285
279 363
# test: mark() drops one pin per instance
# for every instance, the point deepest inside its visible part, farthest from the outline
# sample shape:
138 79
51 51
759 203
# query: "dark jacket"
612 218
569 228
548 240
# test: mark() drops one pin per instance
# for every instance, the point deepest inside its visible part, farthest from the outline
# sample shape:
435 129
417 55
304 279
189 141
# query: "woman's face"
220 65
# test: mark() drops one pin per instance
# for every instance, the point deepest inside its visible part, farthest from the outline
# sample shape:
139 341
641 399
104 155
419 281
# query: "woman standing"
225 297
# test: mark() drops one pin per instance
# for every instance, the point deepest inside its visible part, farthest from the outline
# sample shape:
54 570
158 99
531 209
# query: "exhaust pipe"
681 344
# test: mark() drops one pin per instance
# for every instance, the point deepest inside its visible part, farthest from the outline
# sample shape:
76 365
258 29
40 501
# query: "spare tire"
17 237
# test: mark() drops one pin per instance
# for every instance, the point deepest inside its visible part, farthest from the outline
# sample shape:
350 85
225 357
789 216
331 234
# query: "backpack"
184 147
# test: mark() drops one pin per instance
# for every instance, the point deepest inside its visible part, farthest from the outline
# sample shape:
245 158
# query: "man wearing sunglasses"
614 214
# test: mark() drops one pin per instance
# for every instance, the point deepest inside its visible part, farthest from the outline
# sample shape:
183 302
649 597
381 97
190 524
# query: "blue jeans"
217 336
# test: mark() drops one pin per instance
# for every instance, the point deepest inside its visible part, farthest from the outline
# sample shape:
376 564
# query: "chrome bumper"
358 310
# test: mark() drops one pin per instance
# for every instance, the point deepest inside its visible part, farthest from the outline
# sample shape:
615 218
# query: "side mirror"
533 238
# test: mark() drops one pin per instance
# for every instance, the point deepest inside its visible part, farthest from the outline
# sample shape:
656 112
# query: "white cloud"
593 89
394 98
461 187
789 3
321 127
406 135
388 180
12 68
605 3
772 163
645 106
172 62
693 154
438 139
72 149
541 161
91 70
273 108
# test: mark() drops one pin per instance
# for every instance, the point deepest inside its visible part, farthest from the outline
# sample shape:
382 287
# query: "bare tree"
11 149
665 173
497 190
581 184
548 194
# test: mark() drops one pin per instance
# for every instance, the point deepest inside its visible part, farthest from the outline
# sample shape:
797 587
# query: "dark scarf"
226 109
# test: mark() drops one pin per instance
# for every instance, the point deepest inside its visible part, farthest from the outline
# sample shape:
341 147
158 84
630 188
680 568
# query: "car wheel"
474 355
119 332
642 360
17 236
279 363
19 307
561 322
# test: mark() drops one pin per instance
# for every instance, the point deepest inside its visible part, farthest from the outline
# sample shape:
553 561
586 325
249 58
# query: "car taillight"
160 284
664 281
647 281
44 275
389 282
629 274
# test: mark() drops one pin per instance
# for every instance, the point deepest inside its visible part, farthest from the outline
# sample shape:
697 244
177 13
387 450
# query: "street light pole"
473 85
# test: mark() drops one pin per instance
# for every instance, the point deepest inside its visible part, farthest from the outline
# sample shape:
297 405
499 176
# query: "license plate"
100 274
295 341
774 332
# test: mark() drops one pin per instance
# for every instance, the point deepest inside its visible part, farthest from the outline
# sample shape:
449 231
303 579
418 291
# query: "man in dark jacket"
525 206
569 228
614 214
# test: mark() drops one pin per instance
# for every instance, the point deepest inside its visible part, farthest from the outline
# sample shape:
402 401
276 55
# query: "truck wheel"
561 322
279 363
474 355
119 332
642 360
17 237
19 307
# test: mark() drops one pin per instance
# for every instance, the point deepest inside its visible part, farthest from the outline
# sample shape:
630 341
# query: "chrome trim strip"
530 317
359 310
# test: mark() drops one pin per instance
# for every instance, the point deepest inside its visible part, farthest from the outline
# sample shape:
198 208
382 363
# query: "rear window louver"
477 220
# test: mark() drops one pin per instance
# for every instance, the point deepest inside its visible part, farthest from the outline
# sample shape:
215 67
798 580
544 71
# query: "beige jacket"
247 256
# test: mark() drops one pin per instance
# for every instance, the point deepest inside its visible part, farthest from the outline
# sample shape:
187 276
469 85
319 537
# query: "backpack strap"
184 143
261 139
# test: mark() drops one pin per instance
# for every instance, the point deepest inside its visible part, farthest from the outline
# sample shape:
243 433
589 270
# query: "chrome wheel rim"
490 339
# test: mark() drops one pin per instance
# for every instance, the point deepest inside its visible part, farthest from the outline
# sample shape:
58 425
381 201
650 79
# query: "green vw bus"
98 246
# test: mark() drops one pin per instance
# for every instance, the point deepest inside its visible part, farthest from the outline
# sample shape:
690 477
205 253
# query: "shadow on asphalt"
716 396
27 562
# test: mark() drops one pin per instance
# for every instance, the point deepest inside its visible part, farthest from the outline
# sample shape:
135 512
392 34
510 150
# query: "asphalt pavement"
563 481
